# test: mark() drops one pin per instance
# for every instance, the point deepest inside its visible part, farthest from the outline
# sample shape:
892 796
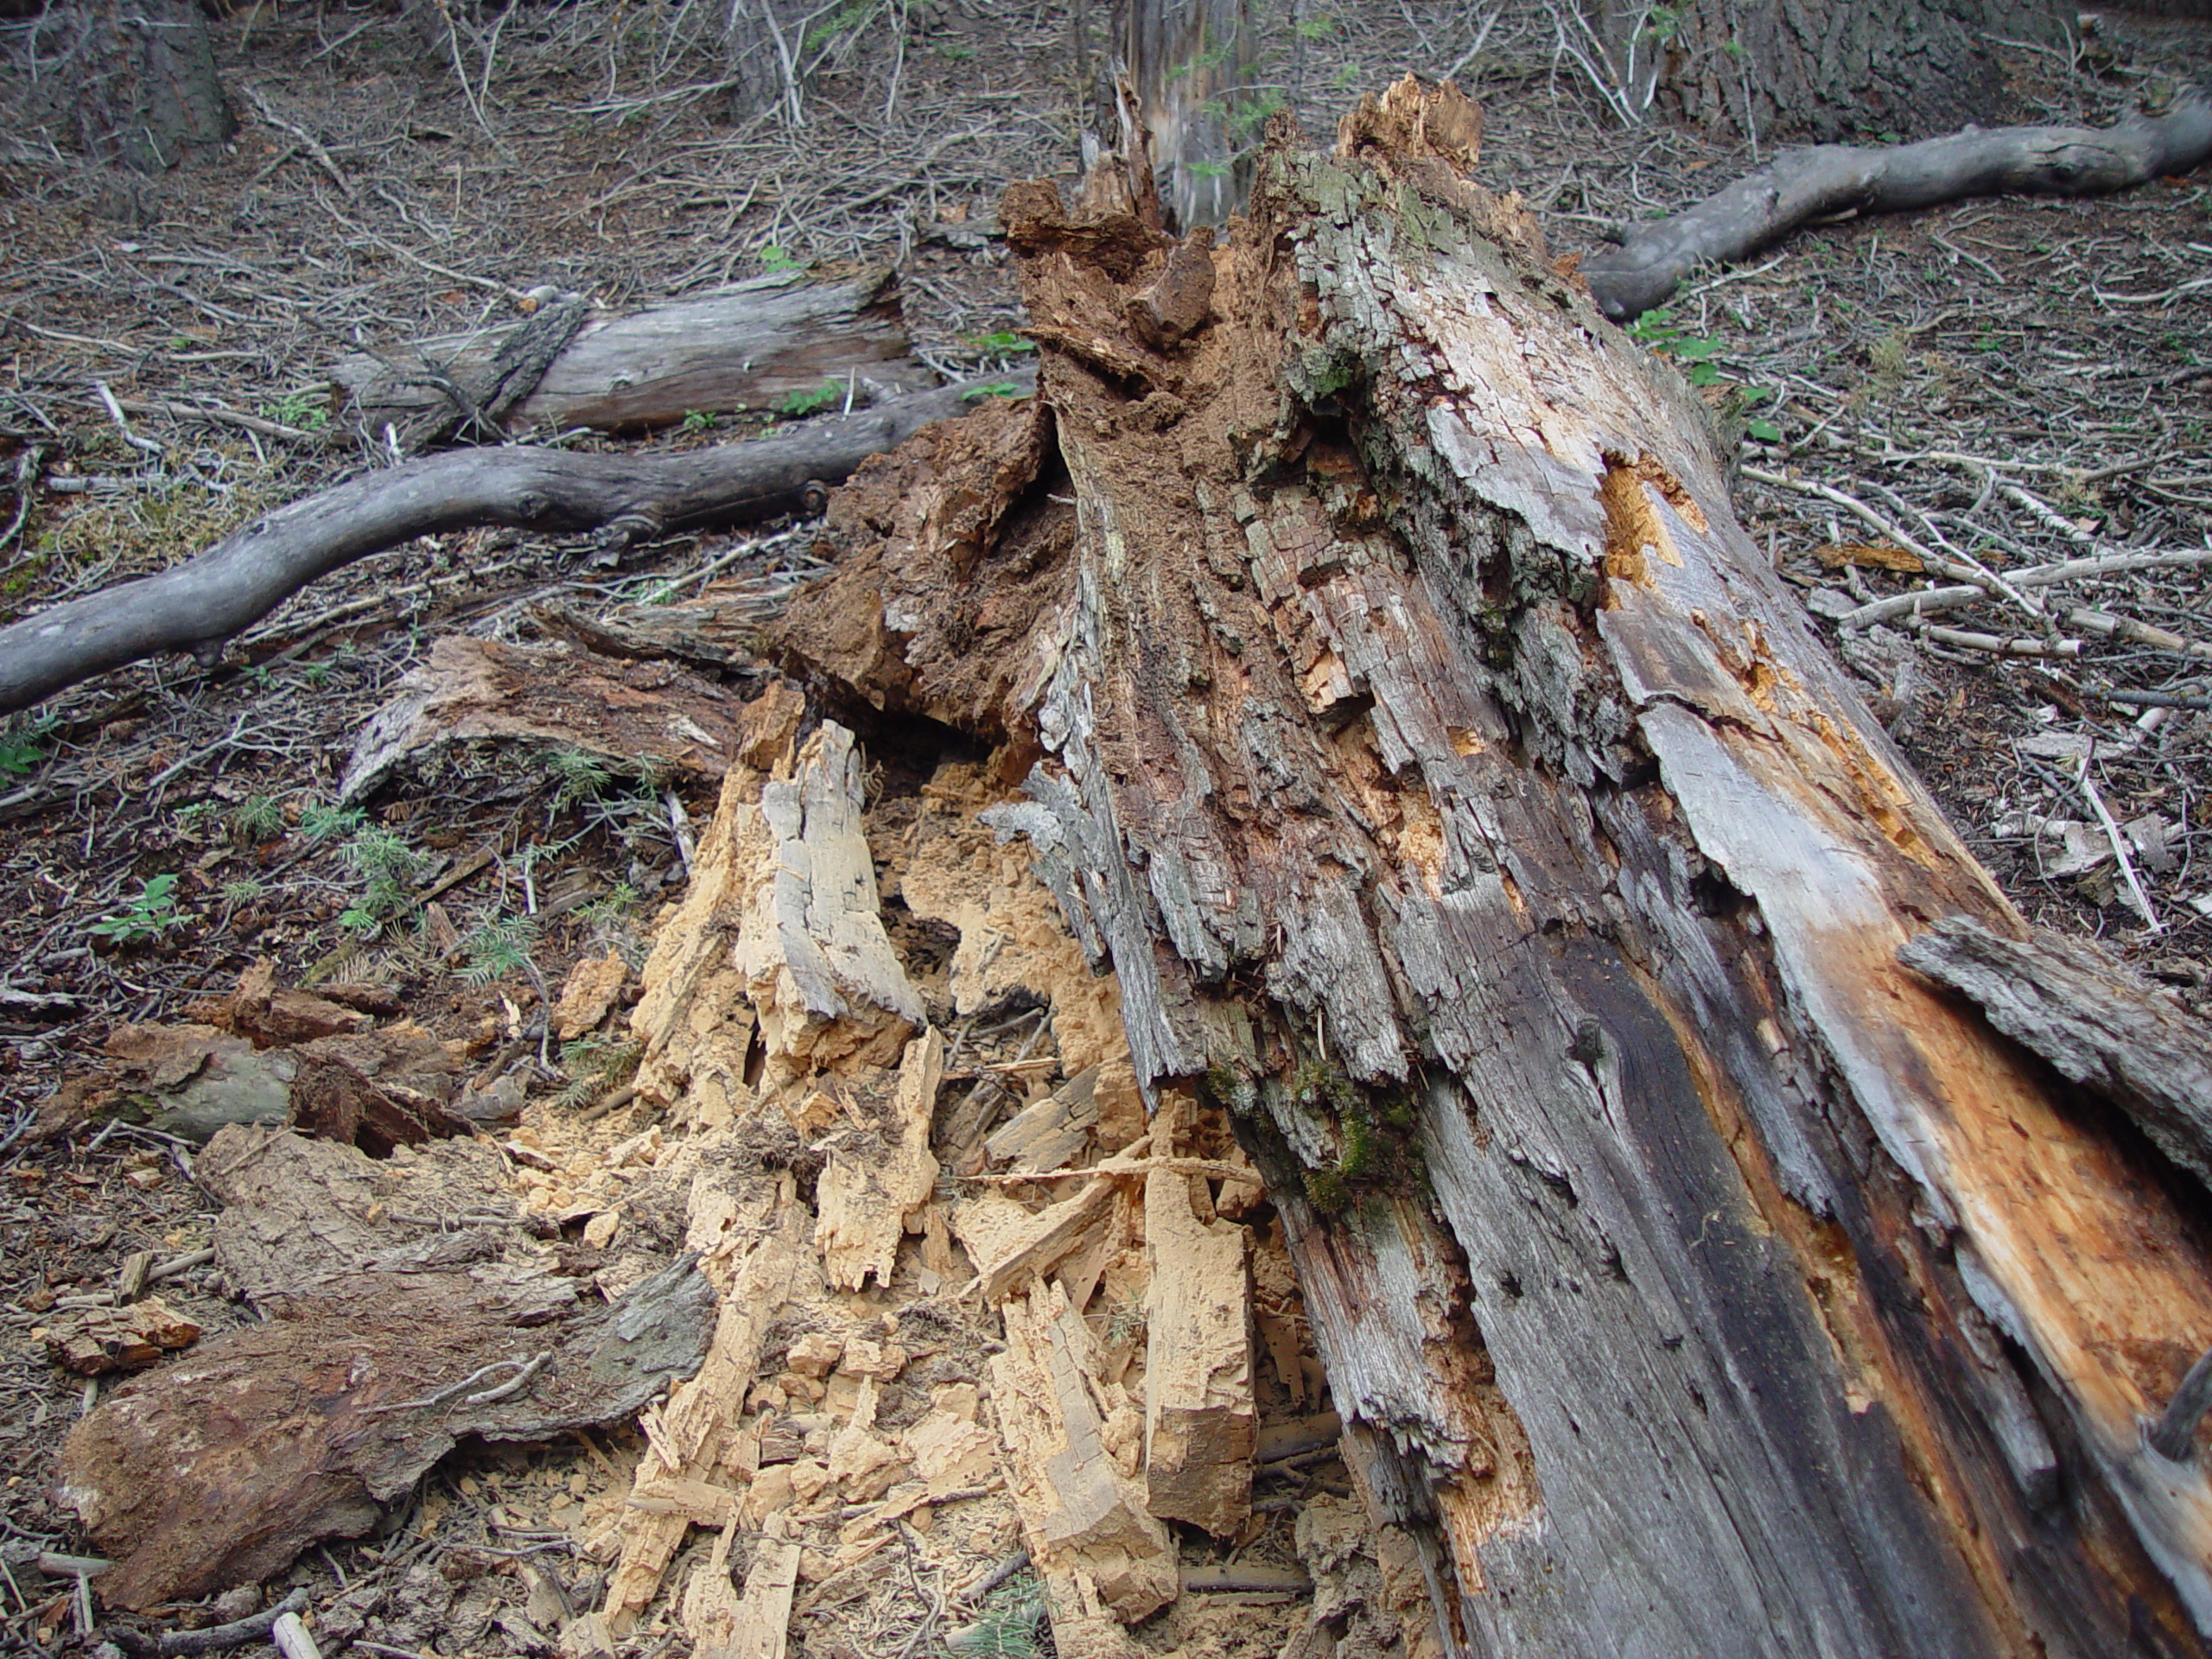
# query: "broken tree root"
1800 185
198 604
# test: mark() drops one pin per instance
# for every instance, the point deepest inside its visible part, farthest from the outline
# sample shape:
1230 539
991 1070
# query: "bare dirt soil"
2009 383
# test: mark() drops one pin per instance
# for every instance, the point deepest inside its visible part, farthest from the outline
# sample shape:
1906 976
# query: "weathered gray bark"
750 346
1189 61
1805 184
1460 799
197 605
1822 69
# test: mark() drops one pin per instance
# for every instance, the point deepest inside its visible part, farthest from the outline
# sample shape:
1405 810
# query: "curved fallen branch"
198 604
1806 184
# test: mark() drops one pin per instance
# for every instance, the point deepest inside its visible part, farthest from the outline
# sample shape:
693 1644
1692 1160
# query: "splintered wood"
1090 1532
1198 1421
867 1194
936 1338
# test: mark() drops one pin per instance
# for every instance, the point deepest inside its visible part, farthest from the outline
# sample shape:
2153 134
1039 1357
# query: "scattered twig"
2089 788
215 1638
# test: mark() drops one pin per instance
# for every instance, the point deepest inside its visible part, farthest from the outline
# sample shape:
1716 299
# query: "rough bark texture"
1819 69
1805 184
1188 62
751 345
142 83
199 604
1459 798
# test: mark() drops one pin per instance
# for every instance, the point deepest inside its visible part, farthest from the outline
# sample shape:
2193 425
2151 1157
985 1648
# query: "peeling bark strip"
1457 794
198 604
1801 185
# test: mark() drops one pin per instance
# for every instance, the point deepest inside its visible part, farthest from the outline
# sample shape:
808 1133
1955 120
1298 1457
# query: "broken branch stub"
1459 796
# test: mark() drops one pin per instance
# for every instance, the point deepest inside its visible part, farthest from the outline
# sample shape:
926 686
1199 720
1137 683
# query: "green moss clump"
1327 1191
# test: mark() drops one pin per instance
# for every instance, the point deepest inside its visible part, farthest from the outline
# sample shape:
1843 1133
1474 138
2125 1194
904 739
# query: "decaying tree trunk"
1459 799
1822 69
141 81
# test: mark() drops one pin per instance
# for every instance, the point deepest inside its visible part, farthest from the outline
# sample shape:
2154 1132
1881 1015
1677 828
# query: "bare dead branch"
1801 185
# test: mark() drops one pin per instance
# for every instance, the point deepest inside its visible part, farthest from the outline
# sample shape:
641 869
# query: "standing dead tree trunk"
1189 61
140 80
1459 797
1817 68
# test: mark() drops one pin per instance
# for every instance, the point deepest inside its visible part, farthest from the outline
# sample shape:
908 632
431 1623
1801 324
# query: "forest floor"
2016 382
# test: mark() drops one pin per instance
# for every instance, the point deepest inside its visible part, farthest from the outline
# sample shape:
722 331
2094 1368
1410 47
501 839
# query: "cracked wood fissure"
1459 797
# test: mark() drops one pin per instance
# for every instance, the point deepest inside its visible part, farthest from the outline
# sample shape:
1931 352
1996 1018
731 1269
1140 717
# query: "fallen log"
751 345
1461 799
1804 184
198 604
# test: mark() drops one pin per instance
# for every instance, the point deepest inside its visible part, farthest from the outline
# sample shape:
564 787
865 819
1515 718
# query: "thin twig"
2118 845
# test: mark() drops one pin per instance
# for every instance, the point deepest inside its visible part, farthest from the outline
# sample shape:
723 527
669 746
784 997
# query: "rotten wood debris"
1057 1355
1439 1146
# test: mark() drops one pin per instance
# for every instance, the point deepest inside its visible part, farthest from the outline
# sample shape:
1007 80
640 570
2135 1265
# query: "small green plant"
994 388
1004 341
582 775
594 1066
1125 1322
774 258
612 906
810 402
22 745
1318 26
1659 333
1760 427
303 411
1007 1629
497 948
258 817
152 914
244 890
318 823
195 818
387 866
846 20
697 419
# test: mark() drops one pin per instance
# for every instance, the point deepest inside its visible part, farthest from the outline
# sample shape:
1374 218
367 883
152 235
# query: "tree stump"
1462 800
